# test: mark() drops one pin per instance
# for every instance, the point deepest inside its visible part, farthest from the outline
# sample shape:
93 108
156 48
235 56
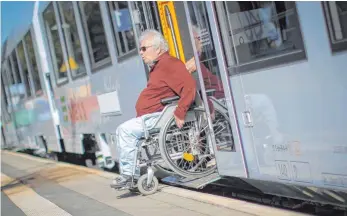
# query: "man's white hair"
156 37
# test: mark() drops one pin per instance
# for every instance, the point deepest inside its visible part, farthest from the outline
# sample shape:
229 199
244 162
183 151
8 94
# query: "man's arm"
181 82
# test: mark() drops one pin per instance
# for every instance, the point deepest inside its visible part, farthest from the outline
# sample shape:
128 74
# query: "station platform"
36 186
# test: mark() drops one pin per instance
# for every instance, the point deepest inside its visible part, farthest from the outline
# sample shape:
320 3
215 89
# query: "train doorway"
171 18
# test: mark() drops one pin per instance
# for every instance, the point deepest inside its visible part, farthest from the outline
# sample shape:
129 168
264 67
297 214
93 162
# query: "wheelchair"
185 151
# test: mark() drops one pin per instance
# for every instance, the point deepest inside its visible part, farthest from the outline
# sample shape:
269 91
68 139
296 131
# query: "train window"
336 20
123 28
6 76
263 34
18 80
23 62
10 74
95 33
33 63
3 91
202 32
73 42
55 48
145 16
15 67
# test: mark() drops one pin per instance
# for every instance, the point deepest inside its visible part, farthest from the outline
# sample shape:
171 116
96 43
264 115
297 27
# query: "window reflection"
95 31
32 59
20 87
75 56
140 23
3 91
336 17
122 22
262 29
26 76
54 43
145 17
204 44
15 67
10 74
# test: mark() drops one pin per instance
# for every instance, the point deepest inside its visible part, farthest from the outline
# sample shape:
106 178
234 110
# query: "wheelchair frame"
148 183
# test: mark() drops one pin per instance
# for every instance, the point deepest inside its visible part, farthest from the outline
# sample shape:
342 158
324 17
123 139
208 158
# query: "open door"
208 49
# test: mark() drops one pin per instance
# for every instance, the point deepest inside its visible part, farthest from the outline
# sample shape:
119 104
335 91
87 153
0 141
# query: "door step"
196 183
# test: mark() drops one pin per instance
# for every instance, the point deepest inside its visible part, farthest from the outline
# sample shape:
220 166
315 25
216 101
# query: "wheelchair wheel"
186 150
147 189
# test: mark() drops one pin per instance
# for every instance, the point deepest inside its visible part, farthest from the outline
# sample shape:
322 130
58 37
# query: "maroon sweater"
168 77
211 81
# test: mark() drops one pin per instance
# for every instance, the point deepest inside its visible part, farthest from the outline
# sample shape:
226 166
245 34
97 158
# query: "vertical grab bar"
168 15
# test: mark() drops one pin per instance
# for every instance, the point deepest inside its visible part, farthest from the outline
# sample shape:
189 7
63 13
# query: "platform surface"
35 186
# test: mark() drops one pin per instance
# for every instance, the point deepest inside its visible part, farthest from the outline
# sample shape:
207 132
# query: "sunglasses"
144 48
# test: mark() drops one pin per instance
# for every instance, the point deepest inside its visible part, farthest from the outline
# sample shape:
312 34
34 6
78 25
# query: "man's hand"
190 65
179 122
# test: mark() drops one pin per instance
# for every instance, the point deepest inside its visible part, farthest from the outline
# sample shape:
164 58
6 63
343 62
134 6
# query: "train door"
240 41
228 148
252 42
263 52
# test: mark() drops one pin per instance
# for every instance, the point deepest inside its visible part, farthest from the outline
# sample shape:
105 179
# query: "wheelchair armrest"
169 100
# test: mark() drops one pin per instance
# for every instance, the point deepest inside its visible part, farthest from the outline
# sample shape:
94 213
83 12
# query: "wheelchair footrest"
124 187
196 183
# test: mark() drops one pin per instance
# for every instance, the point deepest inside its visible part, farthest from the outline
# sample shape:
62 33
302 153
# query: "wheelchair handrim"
168 160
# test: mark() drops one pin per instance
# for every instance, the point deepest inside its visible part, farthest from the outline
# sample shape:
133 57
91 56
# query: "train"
73 75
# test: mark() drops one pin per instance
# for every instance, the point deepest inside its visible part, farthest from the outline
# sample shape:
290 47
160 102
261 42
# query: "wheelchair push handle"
169 100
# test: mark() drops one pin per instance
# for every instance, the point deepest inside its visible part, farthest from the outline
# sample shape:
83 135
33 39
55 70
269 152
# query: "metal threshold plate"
192 182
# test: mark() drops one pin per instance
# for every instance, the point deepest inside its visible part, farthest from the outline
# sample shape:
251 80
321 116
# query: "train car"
92 65
277 75
8 134
26 111
7 129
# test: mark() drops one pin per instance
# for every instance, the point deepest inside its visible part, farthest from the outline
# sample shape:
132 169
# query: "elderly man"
168 77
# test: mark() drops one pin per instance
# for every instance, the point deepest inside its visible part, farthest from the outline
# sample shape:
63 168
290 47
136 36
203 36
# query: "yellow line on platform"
28 200
102 173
